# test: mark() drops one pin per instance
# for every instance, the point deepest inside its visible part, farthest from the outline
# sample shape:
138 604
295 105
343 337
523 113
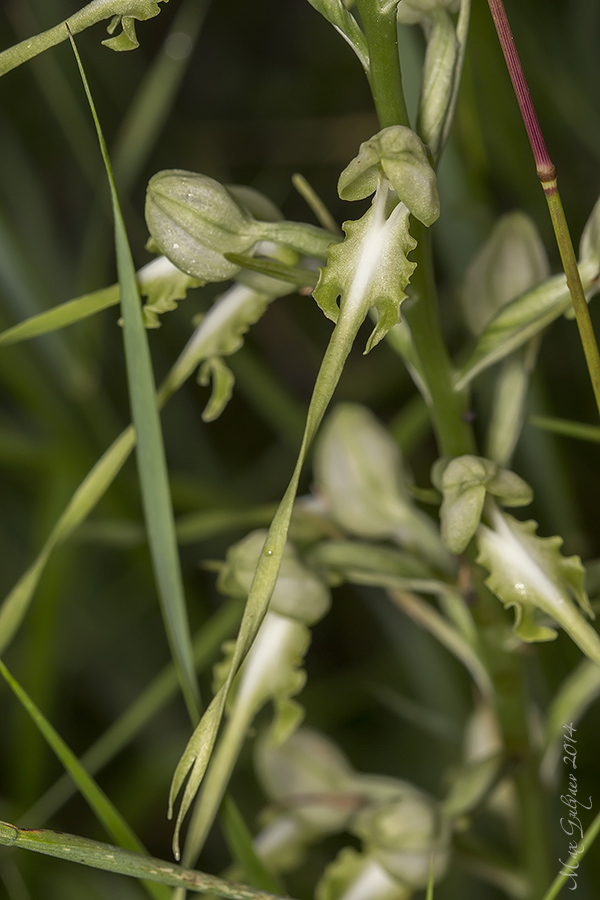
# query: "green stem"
449 407
385 78
507 671
385 74
94 12
582 313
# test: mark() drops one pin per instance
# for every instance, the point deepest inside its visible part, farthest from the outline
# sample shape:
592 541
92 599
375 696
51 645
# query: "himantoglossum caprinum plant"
196 222
207 232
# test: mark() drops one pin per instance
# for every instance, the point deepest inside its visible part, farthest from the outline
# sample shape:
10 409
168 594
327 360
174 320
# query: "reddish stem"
545 169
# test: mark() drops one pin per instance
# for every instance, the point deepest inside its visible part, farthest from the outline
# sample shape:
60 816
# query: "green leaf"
522 319
73 848
104 810
152 465
529 573
398 154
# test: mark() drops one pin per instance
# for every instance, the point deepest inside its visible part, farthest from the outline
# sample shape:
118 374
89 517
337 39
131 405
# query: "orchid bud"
401 156
299 593
309 774
358 470
194 221
410 12
404 833
511 262
464 482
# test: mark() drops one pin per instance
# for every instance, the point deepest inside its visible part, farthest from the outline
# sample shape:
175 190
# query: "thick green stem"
449 407
385 78
385 75
508 673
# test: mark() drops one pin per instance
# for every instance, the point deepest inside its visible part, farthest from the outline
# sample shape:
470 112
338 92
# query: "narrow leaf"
113 859
106 813
522 319
221 332
150 449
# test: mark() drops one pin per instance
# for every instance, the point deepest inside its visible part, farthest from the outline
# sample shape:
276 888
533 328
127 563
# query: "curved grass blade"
113 859
152 464
159 692
106 813
578 430
523 318
60 316
582 848
227 319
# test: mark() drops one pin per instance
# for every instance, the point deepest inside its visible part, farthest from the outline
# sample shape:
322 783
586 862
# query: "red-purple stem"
545 169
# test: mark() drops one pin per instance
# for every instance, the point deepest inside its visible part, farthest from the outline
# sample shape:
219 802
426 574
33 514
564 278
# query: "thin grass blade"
113 859
107 814
150 449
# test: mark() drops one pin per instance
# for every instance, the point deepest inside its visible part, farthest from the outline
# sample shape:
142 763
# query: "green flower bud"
410 12
404 833
511 262
402 157
358 876
464 482
299 593
194 220
358 470
297 772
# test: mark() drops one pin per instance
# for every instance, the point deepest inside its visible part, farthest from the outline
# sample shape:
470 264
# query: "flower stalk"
546 173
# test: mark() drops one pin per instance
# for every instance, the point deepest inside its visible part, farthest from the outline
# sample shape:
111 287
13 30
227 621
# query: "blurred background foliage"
258 92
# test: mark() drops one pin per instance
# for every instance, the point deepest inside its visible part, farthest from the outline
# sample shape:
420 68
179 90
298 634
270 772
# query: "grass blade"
210 339
62 315
578 430
582 848
150 449
239 841
110 817
158 693
113 859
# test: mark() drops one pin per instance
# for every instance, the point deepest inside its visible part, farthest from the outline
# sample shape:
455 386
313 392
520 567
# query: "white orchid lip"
529 573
